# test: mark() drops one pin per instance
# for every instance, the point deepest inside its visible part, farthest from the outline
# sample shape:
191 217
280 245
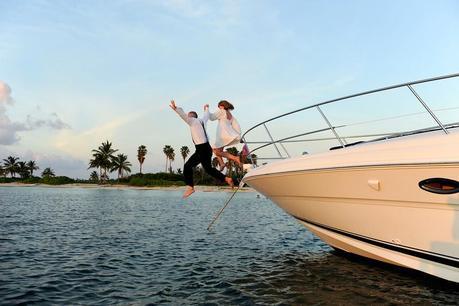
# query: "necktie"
204 129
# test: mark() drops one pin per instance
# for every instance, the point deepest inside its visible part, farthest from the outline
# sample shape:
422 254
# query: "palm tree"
184 151
47 173
10 165
103 157
121 164
96 162
141 152
2 171
32 165
23 170
94 177
166 151
171 157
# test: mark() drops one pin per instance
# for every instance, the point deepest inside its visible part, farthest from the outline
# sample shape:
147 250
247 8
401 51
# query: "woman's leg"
236 159
218 153
205 156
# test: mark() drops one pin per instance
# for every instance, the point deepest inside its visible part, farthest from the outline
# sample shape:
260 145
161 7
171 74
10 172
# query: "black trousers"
203 156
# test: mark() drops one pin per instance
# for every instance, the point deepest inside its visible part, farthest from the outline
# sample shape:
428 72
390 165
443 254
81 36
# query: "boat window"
440 185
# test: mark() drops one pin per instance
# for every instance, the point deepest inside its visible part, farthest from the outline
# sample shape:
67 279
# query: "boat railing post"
427 108
286 152
341 141
280 143
272 140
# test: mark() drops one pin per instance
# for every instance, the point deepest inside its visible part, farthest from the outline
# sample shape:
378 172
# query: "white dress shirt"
197 126
228 130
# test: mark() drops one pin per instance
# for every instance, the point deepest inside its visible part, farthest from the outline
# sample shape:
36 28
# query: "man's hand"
172 105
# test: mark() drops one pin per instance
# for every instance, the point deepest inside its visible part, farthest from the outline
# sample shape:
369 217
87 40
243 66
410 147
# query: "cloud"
5 94
9 129
78 144
54 123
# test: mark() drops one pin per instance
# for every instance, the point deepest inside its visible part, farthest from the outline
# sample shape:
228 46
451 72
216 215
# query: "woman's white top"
228 130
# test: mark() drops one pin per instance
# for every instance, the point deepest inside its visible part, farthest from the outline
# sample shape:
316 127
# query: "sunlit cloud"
79 144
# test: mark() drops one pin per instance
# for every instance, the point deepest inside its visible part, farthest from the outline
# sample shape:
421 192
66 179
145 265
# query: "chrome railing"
279 143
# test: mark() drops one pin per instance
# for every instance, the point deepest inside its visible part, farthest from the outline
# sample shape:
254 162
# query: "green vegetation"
155 179
57 180
51 180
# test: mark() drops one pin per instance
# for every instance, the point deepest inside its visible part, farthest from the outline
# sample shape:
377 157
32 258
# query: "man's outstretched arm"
180 112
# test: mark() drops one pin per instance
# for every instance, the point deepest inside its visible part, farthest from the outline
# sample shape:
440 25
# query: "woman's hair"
226 105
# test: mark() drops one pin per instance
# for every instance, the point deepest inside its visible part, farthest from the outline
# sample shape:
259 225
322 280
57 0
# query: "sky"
76 73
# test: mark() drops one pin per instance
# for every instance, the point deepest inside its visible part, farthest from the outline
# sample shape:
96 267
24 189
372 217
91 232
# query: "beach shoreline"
128 187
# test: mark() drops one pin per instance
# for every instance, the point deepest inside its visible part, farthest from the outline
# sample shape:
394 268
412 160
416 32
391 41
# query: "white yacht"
393 199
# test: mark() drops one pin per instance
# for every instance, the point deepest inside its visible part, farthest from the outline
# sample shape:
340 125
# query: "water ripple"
91 247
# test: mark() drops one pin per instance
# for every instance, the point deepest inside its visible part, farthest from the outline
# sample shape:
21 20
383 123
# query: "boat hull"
375 211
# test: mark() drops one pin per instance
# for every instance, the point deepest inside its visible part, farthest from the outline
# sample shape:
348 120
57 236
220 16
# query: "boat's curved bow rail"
333 124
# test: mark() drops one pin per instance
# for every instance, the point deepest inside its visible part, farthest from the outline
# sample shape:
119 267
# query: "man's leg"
205 155
192 162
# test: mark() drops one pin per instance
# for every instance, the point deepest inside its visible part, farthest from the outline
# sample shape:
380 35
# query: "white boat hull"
377 211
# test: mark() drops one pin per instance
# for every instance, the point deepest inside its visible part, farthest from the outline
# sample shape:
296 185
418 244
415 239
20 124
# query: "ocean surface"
72 246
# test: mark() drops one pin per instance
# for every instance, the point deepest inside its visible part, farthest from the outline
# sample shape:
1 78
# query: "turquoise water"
137 247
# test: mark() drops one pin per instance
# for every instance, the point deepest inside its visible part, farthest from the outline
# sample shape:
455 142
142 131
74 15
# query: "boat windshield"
375 115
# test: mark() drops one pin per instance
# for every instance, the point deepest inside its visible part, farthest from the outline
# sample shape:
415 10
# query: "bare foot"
189 191
229 181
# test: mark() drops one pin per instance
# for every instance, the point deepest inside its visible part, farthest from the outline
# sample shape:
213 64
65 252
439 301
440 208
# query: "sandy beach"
121 186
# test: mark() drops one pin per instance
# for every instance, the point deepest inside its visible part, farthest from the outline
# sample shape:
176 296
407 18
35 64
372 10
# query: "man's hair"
193 114
226 105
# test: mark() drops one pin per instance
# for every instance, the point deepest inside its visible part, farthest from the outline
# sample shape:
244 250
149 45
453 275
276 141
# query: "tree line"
106 159
13 166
